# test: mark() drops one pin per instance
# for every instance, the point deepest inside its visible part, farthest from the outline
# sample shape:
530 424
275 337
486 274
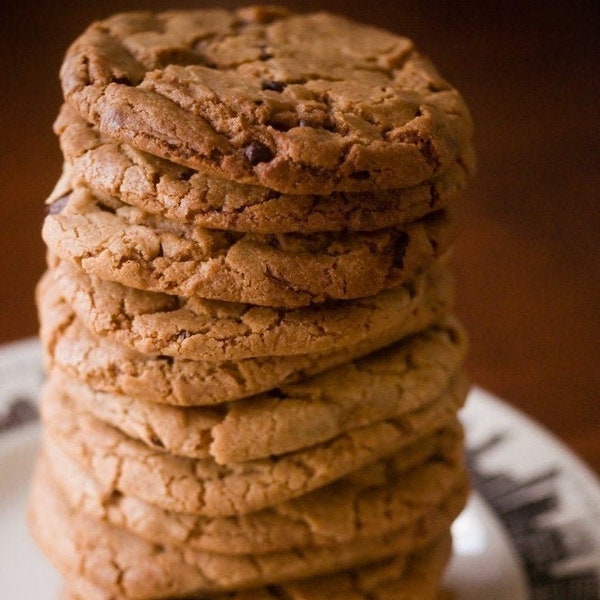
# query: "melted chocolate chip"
56 206
256 152
276 86
360 175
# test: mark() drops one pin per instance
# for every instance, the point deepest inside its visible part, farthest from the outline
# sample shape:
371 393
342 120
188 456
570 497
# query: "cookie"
308 103
198 329
121 562
403 577
205 487
106 366
121 243
181 194
388 384
384 496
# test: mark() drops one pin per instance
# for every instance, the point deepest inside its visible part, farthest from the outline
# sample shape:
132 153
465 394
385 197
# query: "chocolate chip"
256 152
360 175
276 86
56 206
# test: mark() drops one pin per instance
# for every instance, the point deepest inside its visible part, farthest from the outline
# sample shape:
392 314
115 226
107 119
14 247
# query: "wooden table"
527 261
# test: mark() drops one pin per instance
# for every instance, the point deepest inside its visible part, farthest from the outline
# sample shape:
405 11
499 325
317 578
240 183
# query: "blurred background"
528 258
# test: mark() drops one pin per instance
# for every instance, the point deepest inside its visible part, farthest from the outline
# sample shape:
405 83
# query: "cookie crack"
424 145
279 592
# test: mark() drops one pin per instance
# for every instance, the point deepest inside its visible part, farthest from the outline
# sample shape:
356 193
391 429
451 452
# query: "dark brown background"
528 258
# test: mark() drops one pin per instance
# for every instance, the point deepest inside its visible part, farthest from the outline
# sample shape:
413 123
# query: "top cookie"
308 103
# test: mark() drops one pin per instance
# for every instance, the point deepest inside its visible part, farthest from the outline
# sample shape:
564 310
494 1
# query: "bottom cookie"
402 577
127 566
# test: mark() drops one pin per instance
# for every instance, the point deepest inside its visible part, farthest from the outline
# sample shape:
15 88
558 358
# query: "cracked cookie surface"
181 194
402 577
198 329
384 496
124 563
120 243
253 370
307 103
107 366
202 486
397 380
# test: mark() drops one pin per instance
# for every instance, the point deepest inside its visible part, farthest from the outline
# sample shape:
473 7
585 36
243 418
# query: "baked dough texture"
188 196
253 370
297 103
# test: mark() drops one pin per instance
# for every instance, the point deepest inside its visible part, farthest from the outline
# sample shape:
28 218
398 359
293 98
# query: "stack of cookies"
253 371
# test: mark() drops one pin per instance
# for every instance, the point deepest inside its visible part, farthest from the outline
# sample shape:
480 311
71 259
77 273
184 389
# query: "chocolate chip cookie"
300 103
192 197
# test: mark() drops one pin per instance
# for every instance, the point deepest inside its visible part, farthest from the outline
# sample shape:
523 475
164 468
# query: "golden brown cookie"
397 380
121 243
306 103
106 366
181 194
198 329
253 375
384 496
123 563
205 487
403 577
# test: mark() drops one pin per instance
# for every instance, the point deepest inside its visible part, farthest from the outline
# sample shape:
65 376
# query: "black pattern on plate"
548 551
20 410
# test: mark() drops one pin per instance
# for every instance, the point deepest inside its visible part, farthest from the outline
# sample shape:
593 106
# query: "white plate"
531 530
